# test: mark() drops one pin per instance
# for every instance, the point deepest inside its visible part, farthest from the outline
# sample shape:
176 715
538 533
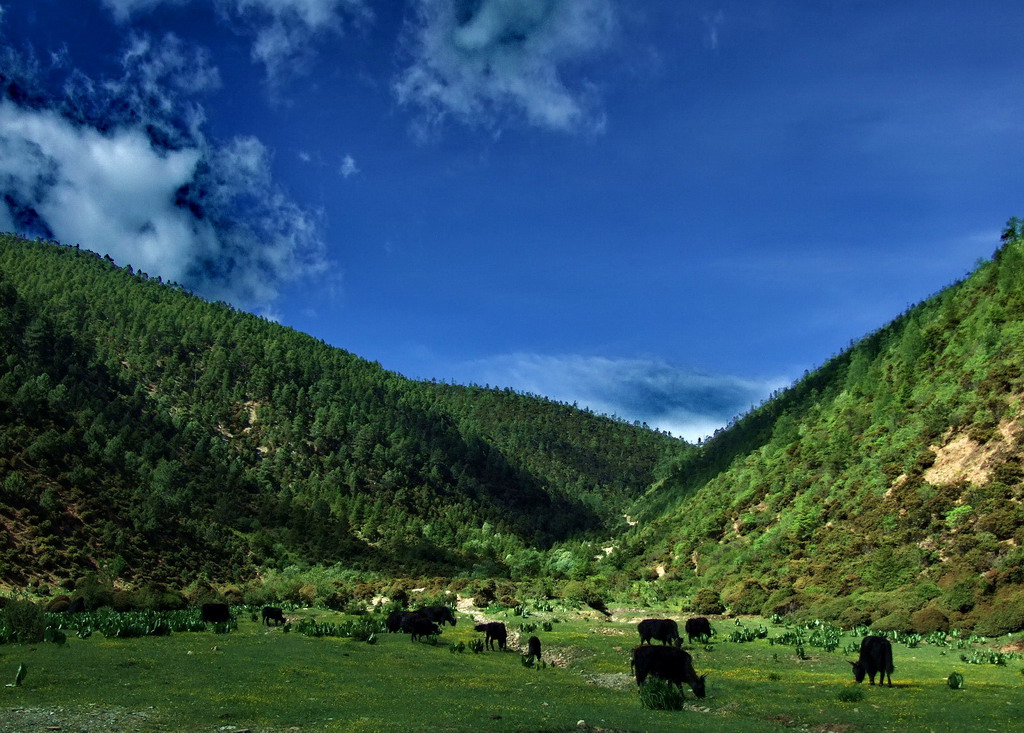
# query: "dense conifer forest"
147 435
883 488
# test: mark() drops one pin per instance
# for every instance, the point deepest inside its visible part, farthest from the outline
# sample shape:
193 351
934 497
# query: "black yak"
494 631
668 663
439 614
273 613
533 648
394 620
664 630
875 658
698 628
418 625
215 613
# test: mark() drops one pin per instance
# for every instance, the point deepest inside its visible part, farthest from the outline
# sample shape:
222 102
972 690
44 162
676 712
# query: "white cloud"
687 403
283 30
122 166
123 10
114 190
348 166
479 60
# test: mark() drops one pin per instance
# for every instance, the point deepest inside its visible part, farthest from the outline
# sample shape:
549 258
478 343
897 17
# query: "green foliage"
1004 616
955 681
850 695
657 694
178 438
708 602
987 656
21 621
832 489
743 634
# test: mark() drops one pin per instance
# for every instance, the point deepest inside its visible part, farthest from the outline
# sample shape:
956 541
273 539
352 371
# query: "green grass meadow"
266 680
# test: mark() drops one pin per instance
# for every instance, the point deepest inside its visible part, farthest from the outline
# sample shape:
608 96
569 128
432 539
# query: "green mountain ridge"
884 487
155 436
160 436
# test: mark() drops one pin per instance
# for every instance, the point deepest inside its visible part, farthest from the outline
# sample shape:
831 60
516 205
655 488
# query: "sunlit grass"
269 680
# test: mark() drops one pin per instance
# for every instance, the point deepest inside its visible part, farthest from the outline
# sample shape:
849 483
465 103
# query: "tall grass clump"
21 621
657 694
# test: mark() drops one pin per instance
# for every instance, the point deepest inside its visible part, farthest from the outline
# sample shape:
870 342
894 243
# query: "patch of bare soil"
613 681
76 719
1015 647
964 459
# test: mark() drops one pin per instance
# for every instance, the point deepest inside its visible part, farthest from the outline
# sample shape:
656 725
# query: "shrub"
955 681
960 596
122 600
895 621
707 602
485 595
58 604
1003 617
582 592
657 694
22 621
96 593
233 595
853 617
929 619
746 597
782 603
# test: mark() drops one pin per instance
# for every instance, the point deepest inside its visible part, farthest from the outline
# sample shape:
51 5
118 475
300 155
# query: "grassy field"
265 680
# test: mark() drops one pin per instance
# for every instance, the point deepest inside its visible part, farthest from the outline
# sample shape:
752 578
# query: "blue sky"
662 210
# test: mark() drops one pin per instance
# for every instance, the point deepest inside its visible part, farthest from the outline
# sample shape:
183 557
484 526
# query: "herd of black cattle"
668 662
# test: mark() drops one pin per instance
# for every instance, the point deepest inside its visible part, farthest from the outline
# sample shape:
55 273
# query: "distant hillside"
158 436
886 487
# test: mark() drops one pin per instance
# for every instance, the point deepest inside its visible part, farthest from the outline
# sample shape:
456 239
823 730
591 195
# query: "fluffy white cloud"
686 403
478 60
113 191
122 167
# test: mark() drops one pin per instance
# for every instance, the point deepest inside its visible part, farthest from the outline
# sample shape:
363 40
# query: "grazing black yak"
698 628
417 624
273 613
394 620
668 663
439 614
875 658
494 631
533 648
215 613
664 630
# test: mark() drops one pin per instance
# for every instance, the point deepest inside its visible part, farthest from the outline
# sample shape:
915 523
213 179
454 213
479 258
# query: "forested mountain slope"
884 487
158 435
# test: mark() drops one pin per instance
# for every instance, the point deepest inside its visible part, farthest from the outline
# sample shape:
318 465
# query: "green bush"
707 602
929 619
746 597
960 597
657 694
895 621
1006 615
22 621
